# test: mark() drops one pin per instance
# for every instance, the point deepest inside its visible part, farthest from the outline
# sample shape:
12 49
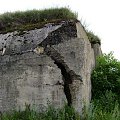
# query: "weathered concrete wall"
29 79
97 50
52 64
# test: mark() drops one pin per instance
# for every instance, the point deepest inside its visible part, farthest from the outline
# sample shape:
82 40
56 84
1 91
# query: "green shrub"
106 102
106 76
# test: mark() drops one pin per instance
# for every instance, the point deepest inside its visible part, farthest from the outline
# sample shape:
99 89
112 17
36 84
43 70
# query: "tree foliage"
106 76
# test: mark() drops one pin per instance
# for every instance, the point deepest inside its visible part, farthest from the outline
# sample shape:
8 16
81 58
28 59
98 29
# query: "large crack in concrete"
68 75
67 79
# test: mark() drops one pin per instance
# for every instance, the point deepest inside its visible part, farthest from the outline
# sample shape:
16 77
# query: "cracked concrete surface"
68 75
48 65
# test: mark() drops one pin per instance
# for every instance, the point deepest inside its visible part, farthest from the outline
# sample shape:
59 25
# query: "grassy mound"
33 18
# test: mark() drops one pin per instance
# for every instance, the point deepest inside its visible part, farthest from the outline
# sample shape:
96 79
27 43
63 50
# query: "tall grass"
95 111
65 113
104 108
15 20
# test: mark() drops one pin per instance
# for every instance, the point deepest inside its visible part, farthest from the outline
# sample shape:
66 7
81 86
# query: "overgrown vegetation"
96 111
65 113
93 38
106 76
33 18
106 87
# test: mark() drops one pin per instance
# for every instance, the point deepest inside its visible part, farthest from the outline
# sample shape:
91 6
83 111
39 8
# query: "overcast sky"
101 16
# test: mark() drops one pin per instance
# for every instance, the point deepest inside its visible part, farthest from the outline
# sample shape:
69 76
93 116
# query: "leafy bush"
106 102
17 19
106 76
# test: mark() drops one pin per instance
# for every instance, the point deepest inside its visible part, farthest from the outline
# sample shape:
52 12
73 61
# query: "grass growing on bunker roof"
33 18
91 35
93 38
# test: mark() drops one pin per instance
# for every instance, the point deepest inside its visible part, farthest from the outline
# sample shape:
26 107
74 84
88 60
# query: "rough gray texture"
97 50
48 65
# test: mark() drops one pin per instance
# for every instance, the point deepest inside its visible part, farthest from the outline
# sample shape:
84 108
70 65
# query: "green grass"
93 38
33 18
65 113
104 108
91 35
95 111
